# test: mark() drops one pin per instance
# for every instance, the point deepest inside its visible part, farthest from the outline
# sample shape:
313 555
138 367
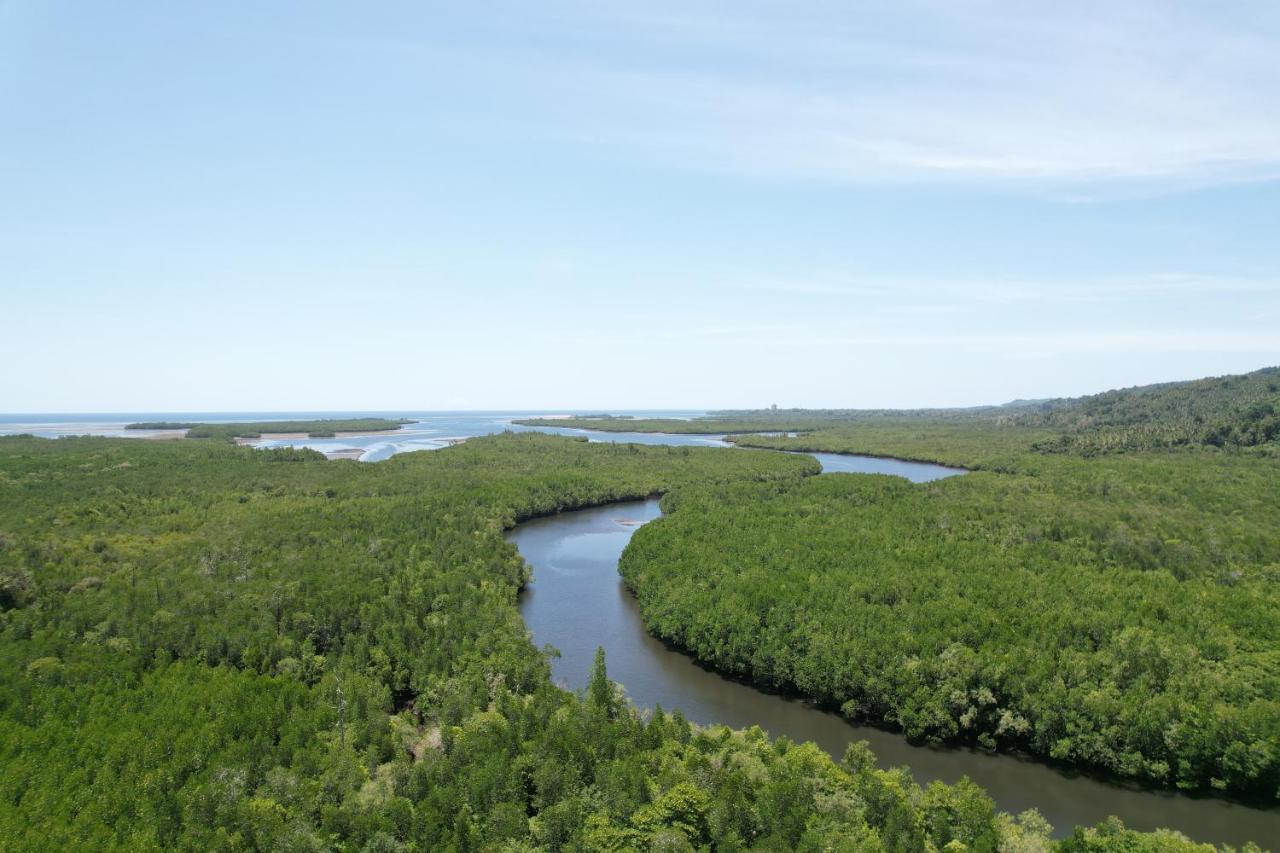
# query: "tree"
600 693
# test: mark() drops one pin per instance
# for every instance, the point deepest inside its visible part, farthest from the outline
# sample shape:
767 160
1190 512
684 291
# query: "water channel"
577 602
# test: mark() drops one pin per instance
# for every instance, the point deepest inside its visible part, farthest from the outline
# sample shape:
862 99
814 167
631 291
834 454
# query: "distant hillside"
1222 411
1241 411
833 417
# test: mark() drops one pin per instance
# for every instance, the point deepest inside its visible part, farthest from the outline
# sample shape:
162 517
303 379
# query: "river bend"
577 601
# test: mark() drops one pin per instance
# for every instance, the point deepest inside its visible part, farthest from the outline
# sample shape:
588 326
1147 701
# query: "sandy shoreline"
345 453
293 436
355 453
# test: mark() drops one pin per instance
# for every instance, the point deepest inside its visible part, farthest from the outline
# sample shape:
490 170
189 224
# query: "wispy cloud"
1057 342
1150 93
1153 287
1063 342
1074 93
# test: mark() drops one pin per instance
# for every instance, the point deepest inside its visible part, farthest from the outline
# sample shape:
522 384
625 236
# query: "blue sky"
240 206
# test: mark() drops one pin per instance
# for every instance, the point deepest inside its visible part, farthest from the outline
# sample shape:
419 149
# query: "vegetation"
609 423
1096 594
976 445
322 428
207 647
1225 411
1122 615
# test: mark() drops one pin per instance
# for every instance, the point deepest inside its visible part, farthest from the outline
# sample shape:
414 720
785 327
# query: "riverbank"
577 601
246 558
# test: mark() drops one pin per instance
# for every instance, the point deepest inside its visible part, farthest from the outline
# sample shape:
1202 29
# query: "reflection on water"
916 472
577 602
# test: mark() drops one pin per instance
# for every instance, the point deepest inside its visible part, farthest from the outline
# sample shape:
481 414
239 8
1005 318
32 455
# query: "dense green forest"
210 647
737 421
1119 613
977 445
609 423
1103 591
206 647
1220 413
1225 411
321 428
795 420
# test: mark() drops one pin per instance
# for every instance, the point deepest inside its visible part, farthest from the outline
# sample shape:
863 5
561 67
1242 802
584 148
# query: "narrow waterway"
577 602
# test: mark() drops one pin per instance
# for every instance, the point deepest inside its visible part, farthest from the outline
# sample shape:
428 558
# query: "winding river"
577 601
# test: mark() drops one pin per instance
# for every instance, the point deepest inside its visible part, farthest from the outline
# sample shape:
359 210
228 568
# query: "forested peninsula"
1225 411
1102 590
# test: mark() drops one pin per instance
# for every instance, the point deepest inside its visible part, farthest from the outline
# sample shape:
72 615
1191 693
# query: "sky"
335 206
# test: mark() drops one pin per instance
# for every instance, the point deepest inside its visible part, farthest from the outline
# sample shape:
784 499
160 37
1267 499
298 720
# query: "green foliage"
208 650
683 809
204 649
1113 837
15 587
694 426
740 421
600 692
322 428
990 445
1120 612
1224 411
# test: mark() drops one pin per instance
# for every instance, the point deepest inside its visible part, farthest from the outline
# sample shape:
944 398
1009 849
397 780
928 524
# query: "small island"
321 428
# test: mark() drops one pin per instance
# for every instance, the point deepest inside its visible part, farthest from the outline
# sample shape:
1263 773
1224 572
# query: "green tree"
600 690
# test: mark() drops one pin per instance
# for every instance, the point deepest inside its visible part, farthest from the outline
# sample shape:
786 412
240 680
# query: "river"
577 601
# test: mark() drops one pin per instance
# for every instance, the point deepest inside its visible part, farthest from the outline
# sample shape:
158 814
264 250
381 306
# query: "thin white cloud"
1150 93
1160 287
1050 342
1061 342
1077 93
